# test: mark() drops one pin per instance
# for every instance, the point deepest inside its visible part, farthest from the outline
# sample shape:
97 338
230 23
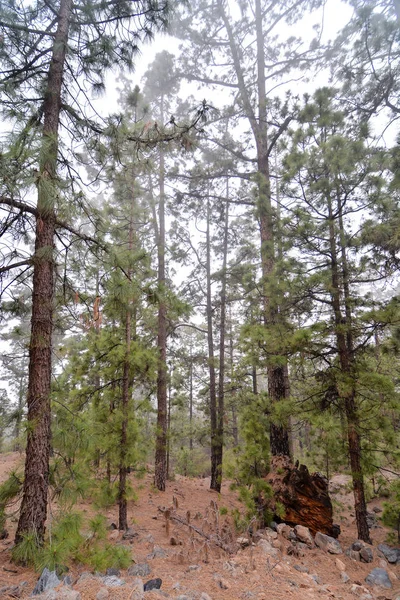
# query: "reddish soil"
196 565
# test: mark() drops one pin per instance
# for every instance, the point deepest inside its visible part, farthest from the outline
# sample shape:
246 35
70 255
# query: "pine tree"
34 58
332 175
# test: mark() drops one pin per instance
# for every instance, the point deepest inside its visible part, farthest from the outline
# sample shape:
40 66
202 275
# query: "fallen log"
303 495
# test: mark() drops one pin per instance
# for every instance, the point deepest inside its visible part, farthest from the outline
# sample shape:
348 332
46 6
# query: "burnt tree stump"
304 496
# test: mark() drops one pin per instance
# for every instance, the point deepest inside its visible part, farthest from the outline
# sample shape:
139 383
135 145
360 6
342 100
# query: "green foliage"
9 491
250 462
391 509
26 552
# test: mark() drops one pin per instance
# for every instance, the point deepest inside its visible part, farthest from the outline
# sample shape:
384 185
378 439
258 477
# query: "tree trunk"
219 442
346 359
126 393
34 501
160 475
214 485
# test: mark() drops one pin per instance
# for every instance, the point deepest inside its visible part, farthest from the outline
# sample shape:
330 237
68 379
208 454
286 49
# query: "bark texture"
305 496
34 501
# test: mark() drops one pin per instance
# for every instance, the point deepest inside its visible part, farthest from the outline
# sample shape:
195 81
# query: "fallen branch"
214 539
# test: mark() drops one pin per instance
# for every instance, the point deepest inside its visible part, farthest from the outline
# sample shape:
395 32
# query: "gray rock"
344 577
273 525
113 571
377 509
112 581
392 555
139 570
301 568
153 584
328 543
380 578
267 548
316 578
157 553
85 575
102 594
353 554
47 581
357 545
205 596
366 554
371 521
129 534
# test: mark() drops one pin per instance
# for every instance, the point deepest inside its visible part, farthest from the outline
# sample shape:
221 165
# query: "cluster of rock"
301 539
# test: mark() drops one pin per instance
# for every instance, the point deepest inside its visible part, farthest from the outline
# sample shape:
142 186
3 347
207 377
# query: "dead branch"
214 539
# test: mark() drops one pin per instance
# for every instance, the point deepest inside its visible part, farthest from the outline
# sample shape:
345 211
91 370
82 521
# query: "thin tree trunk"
211 361
160 475
219 441
346 360
126 393
191 401
34 501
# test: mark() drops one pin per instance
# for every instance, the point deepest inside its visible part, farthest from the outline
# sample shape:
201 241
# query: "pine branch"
21 263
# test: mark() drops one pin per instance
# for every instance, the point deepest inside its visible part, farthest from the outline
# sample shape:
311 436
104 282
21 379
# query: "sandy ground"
194 564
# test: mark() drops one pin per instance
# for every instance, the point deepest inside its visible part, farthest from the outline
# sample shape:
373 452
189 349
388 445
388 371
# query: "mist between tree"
208 276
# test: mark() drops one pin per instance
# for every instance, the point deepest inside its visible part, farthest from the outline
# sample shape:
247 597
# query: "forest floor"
192 567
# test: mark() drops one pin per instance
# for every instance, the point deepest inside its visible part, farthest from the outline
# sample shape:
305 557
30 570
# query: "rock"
102 594
267 548
85 575
353 554
270 533
304 496
340 565
47 581
205 596
243 542
327 543
112 526
301 568
113 571
303 535
284 530
3 534
193 568
357 545
379 577
152 584
173 541
157 553
393 577
129 534
359 590
371 520
366 554
114 535
137 586
277 544
141 570
273 525
392 555
112 581
294 550
377 509
316 578
344 577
